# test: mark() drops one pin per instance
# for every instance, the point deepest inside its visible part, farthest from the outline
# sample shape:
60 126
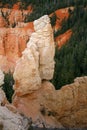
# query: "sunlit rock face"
37 62
1 78
35 96
43 39
12 42
33 105
14 35
3 99
66 107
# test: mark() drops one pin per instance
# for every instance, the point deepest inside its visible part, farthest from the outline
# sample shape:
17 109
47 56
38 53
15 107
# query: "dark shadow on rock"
36 128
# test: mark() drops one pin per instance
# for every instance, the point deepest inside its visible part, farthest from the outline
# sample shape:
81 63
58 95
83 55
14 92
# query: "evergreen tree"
8 86
71 59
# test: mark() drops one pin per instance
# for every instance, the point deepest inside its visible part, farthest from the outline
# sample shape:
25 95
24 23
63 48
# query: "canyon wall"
14 35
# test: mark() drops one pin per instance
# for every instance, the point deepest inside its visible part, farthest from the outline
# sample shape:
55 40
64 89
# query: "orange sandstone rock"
13 35
63 38
61 14
2 22
12 42
17 6
67 105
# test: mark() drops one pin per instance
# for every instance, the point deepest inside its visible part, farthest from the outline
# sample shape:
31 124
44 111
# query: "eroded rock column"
37 61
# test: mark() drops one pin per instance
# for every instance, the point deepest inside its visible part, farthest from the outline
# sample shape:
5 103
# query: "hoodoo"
37 61
35 96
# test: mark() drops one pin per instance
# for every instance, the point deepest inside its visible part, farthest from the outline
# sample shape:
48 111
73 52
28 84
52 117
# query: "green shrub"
8 86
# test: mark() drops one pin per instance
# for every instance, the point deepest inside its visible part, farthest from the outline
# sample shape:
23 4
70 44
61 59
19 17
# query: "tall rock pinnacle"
37 61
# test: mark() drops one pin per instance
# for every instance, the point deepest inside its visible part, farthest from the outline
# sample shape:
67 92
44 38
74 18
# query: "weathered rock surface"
2 22
37 62
12 42
1 77
11 17
13 36
12 121
35 97
43 39
3 99
13 22
32 105
67 105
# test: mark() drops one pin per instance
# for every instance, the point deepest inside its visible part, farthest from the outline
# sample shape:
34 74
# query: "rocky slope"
35 96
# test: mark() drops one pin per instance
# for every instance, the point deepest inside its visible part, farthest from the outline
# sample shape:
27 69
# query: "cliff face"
35 96
13 40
